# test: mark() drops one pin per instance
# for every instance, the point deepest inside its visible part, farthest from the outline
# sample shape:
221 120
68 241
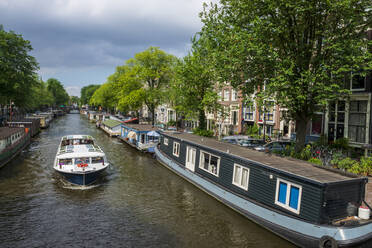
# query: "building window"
358 82
235 114
176 149
357 121
226 95
234 95
241 176
165 141
249 113
209 163
288 195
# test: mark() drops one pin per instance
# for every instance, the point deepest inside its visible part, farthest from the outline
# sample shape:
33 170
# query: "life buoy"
327 242
82 165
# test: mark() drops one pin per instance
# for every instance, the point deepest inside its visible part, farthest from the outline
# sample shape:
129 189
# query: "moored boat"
12 142
308 205
141 136
79 160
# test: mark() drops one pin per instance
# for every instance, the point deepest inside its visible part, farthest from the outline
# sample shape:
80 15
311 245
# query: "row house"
231 121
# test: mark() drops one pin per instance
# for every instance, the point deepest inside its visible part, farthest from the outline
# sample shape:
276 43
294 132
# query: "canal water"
138 203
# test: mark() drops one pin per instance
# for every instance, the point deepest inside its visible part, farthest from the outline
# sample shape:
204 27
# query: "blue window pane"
293 198
282 192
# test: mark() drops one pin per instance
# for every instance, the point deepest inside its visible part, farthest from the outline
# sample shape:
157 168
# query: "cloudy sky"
80 42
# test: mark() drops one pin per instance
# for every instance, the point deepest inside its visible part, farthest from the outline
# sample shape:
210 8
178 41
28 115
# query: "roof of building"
8 131
290 165
141 127
111 123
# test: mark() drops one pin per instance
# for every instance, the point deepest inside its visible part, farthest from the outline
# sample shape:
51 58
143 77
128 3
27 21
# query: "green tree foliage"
105 96
17 69
41 97
143 79
300 49
194 88
74 100
58 92
87 92
154 69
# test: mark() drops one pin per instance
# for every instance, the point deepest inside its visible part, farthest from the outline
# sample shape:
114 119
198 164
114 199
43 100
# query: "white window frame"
165 141
226 95
289 186
240 184
234 95
176 152
202 161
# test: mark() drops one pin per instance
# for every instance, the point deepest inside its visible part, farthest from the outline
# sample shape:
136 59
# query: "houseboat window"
97 160
176 149
209 163
288 195
166 141
241 176
81 160
65 161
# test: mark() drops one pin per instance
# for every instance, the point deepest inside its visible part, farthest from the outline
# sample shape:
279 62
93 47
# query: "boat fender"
327 242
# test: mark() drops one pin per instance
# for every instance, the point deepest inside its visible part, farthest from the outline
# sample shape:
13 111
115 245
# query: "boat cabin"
290 186
111 127
32 124
143 137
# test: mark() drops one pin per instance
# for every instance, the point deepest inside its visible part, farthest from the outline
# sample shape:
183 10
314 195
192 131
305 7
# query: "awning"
132 135
153 133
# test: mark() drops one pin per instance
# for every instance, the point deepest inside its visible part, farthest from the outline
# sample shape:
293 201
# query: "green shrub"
253 131
306 153
315 161
202 132
171 123
336 158
363 168
342 144
347 164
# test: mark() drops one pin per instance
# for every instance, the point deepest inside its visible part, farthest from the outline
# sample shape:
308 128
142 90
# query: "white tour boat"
79 160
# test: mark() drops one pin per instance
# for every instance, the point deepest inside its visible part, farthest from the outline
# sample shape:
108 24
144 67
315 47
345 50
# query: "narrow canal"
139 203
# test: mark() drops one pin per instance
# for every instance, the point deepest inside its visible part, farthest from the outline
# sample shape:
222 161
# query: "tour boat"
79 160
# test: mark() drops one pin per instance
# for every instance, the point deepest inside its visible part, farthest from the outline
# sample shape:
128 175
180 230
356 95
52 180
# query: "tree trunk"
301 125
202 122
152 116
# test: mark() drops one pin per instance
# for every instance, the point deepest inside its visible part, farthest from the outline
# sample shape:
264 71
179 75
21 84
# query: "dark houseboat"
12 142
308 205
32 124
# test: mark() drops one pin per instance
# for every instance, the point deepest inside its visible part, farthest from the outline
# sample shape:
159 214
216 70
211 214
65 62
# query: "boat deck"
141 127
290 165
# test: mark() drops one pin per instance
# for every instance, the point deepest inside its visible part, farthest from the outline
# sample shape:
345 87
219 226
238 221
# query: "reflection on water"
138 202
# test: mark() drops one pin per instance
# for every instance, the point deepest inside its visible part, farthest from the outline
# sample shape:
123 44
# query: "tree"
105 96
40 96
154 69
298 50
17 69
74 100
58 91
194 89
87 92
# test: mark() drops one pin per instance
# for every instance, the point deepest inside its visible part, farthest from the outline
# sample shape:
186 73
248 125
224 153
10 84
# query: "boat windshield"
68 142
65 161
97 160
81 160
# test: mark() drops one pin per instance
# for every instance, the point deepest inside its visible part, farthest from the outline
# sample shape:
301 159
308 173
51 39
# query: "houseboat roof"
8 131
292 166
111 123
141 127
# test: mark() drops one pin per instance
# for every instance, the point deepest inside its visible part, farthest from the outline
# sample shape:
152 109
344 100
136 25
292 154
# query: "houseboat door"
190 158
